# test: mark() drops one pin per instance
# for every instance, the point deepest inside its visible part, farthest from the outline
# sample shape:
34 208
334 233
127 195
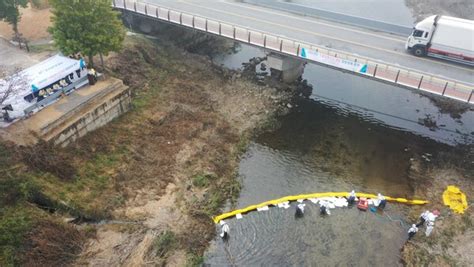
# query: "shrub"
194 260
203 180
213 203
52 244
39 4
164 243
46 157
90 231
14 225
6 156
200 180
13 189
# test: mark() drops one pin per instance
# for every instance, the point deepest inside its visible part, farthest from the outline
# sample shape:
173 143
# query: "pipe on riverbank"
275 202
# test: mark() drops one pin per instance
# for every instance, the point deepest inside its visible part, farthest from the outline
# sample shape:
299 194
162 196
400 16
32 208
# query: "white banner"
333 61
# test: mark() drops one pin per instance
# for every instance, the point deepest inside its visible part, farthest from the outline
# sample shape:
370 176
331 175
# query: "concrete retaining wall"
92 117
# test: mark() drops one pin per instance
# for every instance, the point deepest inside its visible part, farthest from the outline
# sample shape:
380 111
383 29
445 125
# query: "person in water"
324 210
299 210
225 231
382 201
412 231
352 198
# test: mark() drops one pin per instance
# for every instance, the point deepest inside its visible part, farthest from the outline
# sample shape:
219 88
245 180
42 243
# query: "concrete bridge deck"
288 34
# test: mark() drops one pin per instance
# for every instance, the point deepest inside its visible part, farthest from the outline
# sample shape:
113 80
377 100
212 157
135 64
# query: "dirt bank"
40 18
155 175
451 243
152 178
183 141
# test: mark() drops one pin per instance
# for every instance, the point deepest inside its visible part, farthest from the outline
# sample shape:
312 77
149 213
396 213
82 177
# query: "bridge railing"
375 69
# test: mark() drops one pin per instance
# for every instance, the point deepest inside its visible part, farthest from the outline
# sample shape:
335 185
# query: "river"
353 133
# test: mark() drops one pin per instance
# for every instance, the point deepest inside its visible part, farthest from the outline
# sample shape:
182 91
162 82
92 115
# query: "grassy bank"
29 233
164 168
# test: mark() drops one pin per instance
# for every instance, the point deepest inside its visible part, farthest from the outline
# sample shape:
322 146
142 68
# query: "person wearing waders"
323 210
224 231
352 198
412 231
429 228
382 201
299 210
423 218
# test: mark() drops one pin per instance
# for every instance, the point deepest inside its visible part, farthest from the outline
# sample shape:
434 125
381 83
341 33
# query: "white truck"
443 37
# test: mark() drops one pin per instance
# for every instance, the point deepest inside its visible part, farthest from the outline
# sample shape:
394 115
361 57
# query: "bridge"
365 52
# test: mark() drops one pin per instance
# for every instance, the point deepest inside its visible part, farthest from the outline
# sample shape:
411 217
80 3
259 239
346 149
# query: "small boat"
363 204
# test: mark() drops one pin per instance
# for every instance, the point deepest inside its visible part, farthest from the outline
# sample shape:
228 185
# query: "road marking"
264 9
325 36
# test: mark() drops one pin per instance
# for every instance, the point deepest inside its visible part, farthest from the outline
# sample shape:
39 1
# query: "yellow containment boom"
454 198
275 202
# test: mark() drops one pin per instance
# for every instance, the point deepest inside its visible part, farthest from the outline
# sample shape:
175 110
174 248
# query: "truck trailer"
443 37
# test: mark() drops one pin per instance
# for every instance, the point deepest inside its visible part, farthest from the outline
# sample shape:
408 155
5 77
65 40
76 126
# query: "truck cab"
418 41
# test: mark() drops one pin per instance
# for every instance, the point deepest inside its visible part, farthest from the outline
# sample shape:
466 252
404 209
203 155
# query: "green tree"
90 27
9 12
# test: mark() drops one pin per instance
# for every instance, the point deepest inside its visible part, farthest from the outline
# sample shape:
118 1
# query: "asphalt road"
377 45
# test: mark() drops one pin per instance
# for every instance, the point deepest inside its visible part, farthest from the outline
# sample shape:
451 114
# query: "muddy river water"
352 133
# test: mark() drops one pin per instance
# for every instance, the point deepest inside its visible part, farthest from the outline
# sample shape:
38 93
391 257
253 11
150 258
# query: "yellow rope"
275 202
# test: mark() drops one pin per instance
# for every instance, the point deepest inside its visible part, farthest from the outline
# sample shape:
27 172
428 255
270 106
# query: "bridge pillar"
287 68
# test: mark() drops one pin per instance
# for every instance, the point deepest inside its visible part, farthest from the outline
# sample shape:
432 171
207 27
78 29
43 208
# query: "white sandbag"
341 202
264 208
284 205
